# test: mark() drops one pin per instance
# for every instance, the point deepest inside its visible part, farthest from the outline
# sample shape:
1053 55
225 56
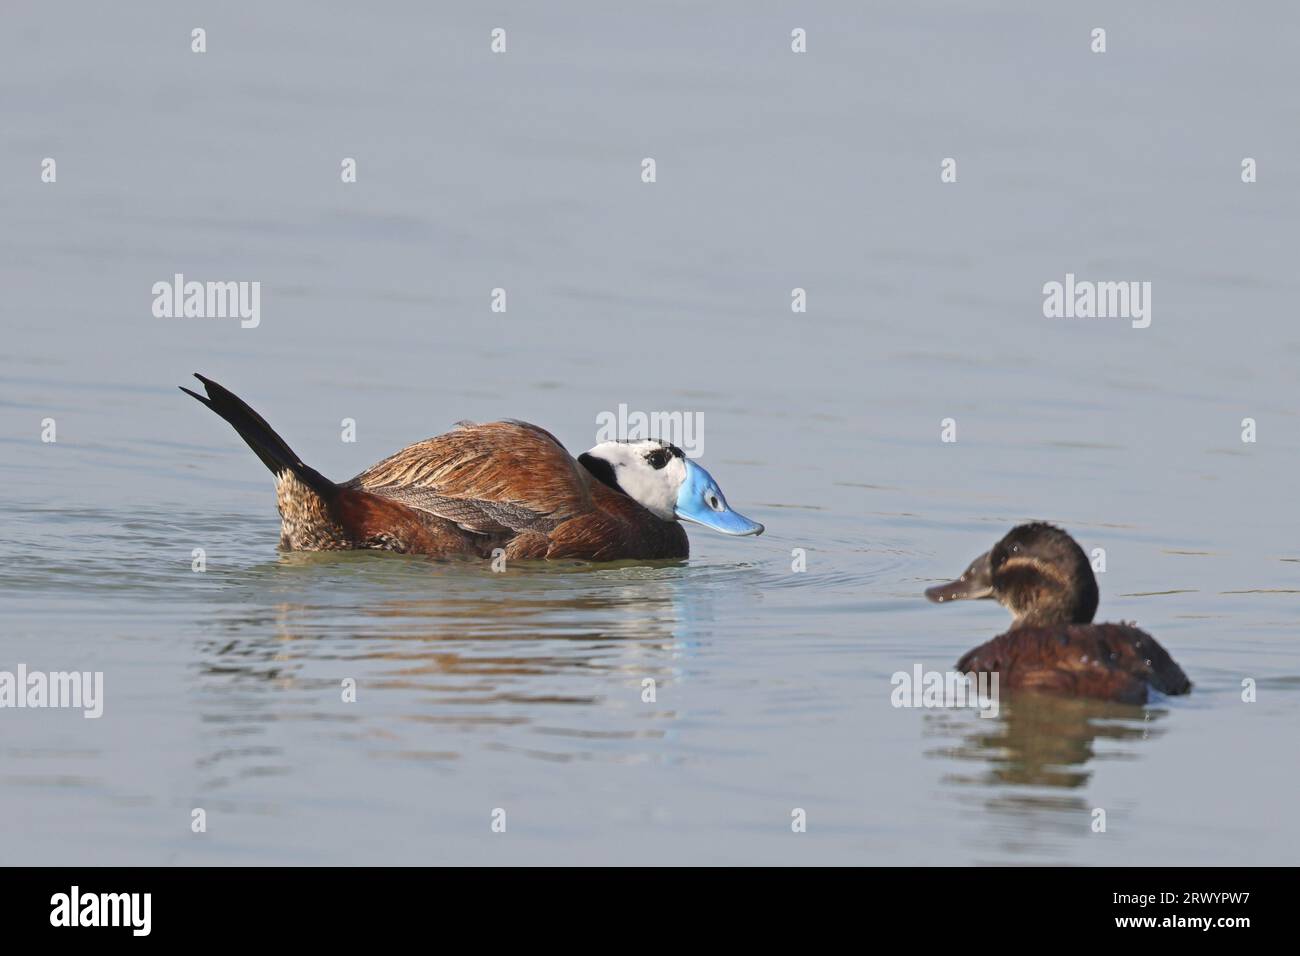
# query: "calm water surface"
523 690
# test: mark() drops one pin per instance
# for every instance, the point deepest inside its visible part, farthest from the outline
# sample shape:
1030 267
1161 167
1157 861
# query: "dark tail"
261 437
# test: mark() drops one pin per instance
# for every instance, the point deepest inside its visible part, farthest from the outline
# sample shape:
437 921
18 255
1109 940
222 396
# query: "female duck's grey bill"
977 582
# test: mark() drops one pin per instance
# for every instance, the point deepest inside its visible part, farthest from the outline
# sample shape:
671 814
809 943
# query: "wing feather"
496 478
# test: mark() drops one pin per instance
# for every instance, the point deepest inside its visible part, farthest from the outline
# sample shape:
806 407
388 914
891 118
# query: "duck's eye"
714 503
658 458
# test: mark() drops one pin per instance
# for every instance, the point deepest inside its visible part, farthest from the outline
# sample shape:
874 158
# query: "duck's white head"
660 478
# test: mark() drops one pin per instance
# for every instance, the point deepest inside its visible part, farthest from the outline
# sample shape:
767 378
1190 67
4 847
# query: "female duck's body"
503 485
1040 574
1115 662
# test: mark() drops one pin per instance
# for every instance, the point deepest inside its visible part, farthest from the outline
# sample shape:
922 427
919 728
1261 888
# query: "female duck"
507 485
1041 575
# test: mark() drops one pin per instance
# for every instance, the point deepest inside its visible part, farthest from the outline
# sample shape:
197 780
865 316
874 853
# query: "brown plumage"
507 485
1115 662
1042 576
514 485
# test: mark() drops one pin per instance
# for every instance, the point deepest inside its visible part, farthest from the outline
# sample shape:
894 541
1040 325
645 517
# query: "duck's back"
499 477
1116 662
513 484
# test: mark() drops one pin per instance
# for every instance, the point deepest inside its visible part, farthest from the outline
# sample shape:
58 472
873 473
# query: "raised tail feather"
261 437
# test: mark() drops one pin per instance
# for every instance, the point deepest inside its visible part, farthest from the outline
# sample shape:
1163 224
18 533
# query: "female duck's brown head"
1037 572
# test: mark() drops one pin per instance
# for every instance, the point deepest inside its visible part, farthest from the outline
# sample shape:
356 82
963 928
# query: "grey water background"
522 690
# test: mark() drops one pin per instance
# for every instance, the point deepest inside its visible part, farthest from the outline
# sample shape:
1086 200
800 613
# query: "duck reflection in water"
495 660
1043 740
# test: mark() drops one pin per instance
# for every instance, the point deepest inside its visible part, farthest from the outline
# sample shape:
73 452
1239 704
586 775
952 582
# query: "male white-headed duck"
506 485
1041 575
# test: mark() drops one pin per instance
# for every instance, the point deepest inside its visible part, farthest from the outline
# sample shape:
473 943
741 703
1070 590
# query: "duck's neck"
1049 613
646 535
